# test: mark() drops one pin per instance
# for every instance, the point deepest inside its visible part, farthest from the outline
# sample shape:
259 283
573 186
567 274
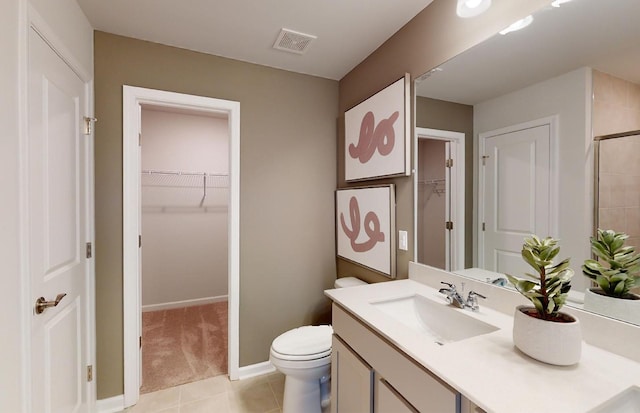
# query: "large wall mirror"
504 138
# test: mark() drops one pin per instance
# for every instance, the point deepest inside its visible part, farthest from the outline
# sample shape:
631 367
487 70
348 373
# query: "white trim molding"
133 99
257 369
111 405
184 303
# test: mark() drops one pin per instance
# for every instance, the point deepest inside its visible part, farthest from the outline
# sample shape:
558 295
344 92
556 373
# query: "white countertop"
488 369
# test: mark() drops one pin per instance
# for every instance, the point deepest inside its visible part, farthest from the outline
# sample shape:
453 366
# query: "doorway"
439 198
163 186
184 209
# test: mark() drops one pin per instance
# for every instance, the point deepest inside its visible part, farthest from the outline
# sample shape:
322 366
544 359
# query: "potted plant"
616 272
542 331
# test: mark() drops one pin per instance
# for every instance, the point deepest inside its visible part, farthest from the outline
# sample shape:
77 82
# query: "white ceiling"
601 34
347 30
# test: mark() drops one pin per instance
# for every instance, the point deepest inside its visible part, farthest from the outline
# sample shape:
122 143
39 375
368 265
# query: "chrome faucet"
456 299
501 281
453 297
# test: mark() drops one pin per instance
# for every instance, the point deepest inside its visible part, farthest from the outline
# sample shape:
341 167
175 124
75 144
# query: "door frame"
552 122
457 140
30 19
133 98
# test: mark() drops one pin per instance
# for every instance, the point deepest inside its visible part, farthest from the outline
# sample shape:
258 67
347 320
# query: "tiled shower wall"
616 109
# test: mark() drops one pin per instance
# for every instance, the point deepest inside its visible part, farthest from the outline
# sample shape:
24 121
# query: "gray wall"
288 177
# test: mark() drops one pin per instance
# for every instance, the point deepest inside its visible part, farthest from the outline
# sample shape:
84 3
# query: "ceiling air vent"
294 42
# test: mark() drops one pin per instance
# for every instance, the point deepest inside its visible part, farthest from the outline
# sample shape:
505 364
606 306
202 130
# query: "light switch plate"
402 240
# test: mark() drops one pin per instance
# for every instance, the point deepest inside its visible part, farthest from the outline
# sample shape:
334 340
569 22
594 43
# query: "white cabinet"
388 400
351 380
401 385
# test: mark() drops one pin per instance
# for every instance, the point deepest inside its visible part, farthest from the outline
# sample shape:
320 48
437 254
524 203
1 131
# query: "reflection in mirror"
617 207
529 104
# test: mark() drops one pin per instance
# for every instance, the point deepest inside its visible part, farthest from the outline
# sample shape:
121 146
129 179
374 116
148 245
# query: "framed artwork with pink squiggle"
365 227
377 135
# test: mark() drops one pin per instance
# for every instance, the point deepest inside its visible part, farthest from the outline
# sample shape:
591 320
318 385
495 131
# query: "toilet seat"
303 343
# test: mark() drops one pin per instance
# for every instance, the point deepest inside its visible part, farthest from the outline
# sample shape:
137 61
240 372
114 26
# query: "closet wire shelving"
437 186
183 179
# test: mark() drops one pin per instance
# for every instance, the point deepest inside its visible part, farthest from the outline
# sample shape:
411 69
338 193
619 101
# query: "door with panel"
516 196
58 232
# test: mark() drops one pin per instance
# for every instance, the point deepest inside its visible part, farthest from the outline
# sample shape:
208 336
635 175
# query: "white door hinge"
89 373
89 250
449 163
449 225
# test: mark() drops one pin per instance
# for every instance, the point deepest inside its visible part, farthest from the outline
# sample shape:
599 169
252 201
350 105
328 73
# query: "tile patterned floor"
261 394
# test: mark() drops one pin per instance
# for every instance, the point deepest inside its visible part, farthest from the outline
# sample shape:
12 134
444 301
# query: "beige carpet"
183 345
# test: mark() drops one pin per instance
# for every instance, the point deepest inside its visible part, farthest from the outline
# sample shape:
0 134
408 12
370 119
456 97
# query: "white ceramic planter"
618 308
547 341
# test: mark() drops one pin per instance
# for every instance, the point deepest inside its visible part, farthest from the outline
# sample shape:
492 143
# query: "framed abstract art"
377 135
365 227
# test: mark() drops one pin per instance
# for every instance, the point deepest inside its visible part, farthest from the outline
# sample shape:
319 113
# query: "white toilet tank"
348 282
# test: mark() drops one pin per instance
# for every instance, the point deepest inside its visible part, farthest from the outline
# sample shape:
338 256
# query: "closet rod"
178 173
432 181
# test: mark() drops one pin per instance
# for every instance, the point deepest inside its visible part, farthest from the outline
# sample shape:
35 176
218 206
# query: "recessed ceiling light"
519 25
471 8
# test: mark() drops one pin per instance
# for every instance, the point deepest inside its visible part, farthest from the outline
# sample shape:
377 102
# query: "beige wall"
434 36
184 254
288 164
616 105
616 109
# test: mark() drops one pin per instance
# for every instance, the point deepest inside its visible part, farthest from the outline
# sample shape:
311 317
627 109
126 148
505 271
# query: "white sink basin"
627 401
438 320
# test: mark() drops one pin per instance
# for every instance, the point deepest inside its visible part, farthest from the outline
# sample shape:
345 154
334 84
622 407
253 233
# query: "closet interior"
184 185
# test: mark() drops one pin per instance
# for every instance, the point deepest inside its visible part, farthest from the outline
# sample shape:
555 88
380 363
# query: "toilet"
303 355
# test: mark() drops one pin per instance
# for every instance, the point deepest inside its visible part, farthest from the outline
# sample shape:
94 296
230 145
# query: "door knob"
42 304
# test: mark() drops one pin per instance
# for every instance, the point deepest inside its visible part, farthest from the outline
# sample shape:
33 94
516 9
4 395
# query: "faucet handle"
472 300
453 287
473 294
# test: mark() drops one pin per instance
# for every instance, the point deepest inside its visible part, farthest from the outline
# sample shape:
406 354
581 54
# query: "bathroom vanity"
458 360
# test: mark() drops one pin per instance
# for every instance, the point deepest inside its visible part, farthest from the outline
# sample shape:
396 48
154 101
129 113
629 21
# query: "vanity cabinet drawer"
419 387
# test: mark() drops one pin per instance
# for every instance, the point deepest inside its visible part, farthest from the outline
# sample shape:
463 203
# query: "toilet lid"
303 341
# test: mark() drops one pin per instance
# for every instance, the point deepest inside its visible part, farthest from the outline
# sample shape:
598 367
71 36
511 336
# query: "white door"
58 232
517 197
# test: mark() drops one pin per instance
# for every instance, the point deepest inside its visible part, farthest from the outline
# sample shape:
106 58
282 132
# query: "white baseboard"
253 370
116 404
184 303
111 405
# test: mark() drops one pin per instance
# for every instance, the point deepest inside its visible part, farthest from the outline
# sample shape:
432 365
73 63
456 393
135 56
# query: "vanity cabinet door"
351 381
388 400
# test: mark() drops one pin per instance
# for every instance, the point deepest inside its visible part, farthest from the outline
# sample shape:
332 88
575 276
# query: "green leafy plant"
548 288
619 268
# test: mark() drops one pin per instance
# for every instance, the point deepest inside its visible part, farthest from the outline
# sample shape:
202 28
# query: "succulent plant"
548 288
619 268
